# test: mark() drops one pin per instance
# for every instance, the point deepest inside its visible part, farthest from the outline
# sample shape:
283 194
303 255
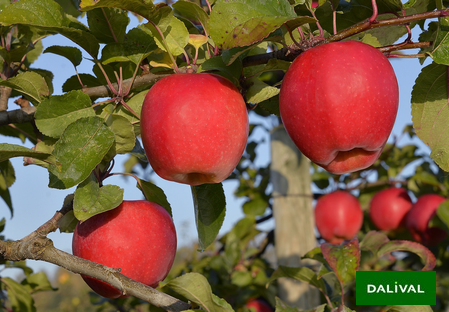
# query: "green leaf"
73 83
259 91
54 114
91 199
108 24
29 83
155 194
176 34
344 259
303 274
143 8
440 52
19 265
238 23
19 296
430 112
124 133
49 16
82 146
210 210
271 105
196 288
7 178
373 240
73 54
68 222
255 206
232 72
425 254
273 64
37 282
11 150
193 11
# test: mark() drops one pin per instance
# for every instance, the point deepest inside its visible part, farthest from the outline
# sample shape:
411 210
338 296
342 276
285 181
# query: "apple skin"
138 237
194 128
418 218
338 102
259 305
389 208
338 216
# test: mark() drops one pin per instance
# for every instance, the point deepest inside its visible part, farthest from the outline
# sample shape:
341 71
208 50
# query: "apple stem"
129 108
134 176
334 18
293 38
301 33
196 55
317 23
208 6
373 18
111 87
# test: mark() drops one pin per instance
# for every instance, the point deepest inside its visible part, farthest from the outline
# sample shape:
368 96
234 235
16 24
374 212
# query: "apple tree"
77 134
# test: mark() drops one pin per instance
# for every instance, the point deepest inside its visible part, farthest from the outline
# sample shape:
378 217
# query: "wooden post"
293 213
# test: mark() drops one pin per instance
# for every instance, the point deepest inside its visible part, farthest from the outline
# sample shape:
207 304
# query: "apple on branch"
338 102
194 128
137 237
419 216
338 216
389 208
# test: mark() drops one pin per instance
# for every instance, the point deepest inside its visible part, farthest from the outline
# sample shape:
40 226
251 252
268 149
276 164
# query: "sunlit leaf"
82 146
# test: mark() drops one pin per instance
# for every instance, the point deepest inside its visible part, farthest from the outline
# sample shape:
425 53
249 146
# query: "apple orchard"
177 95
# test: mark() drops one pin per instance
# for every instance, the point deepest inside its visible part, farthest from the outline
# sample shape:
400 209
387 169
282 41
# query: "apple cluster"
338 102
339 216
189 137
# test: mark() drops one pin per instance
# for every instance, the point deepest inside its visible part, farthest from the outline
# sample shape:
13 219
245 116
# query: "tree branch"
37 246
353 30
15 116
144 80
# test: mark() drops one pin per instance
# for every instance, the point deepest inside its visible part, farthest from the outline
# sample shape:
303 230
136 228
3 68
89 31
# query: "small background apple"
389 208
338 216
418 219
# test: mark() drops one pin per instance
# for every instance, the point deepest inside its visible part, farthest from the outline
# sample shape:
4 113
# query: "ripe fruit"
418 218
338 216
194 128
138 237
389 207
338 102
259 305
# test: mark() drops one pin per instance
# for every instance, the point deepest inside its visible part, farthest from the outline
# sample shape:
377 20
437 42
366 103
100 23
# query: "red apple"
418 218
338 102
389 207
194 128
259 305
338 216
138 237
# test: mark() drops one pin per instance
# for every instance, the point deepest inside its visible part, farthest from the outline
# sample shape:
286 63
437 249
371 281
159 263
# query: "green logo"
396 288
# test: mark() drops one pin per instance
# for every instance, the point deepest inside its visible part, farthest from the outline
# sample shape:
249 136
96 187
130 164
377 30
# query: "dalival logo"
394 289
